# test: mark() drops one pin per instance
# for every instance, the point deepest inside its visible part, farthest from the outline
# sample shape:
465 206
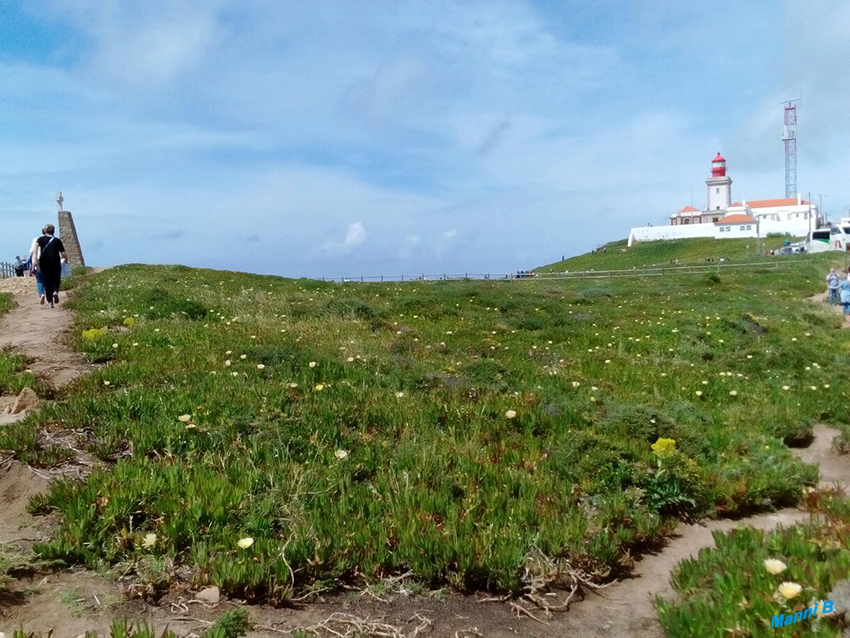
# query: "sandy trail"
621 609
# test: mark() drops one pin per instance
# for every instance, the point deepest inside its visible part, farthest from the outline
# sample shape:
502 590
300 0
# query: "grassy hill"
278 437
617 256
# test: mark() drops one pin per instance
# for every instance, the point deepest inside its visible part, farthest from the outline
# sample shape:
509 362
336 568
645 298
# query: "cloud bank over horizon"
340 139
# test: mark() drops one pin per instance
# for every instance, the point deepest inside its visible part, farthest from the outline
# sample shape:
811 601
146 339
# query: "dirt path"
73 601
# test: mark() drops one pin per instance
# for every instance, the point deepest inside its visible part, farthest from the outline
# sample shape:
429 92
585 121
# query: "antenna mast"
789 136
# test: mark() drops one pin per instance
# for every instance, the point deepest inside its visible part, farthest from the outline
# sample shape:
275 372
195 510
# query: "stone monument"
68 234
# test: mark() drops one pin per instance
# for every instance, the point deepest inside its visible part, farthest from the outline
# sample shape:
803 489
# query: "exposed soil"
72 601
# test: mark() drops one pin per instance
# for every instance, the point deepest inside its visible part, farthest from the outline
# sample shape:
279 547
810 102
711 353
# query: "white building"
722 218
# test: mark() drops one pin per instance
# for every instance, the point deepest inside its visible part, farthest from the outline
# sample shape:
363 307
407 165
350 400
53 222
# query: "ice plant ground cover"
452 430
730 591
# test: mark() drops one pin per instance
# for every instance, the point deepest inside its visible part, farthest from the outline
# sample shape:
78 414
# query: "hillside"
617 256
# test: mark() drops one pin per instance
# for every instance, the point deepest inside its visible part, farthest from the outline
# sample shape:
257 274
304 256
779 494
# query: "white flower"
341 454
576 384
774 566
313 364
399 394
786 387
350 359
184 418
243 356
292 384
607 360
733 393
789 590
260 366
245 543
511 414
107 383
149 540
698 393
319 387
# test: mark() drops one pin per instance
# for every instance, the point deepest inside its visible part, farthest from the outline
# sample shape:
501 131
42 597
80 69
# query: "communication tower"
789 136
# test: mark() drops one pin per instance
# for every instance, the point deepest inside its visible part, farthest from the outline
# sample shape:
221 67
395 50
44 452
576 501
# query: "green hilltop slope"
616 255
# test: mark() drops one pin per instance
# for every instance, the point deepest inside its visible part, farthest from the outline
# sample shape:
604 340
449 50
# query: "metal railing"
653 271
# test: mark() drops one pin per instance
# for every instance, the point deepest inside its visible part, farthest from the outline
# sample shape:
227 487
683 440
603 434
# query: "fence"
6 270
656 271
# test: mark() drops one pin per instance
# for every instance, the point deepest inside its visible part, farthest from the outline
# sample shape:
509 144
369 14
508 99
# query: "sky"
340 138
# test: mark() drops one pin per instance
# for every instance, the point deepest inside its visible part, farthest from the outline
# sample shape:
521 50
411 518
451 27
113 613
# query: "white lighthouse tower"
719 186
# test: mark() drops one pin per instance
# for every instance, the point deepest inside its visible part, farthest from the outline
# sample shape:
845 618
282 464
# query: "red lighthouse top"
718 166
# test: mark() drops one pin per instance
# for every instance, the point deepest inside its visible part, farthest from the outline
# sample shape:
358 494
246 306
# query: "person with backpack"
832 282
50 255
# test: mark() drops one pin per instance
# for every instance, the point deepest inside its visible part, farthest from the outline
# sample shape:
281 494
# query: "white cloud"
354 237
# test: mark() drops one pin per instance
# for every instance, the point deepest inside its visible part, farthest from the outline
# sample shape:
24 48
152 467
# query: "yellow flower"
184 418
94 333
245 543
319 387
664 447
129 322
510 414
789 590
774 566
149 540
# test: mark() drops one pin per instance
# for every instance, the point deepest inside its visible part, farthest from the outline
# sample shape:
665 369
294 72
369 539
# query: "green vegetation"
281 436
119 629
731 587
12 376
231 624
617 256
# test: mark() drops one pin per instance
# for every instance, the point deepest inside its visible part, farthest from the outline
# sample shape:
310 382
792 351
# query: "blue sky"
346 138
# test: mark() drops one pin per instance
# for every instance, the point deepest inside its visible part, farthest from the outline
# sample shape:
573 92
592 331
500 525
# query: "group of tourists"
838 286
47 262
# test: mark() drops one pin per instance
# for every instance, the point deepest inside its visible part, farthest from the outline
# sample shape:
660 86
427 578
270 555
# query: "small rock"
27 400
209 595
840 597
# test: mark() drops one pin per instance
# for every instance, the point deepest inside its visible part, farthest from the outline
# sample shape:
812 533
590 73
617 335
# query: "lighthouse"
719 186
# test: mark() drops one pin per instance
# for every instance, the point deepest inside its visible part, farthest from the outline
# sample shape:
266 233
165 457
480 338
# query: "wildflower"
607 360
319 387
664 447
510 414
341 454
149 541
733 393
243 356
184 418
229 352
245 543
698 393
774 566
107 383
786 387
399 394
576 384
350 359
292 384
312 364
227 363
135 343
789 590
260 366
114 345
129 322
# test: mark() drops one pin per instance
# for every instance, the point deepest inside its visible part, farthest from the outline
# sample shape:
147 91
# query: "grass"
618 256
727 590
449 429
12 381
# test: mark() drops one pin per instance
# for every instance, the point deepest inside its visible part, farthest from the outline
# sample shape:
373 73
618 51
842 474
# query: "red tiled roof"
736 204
737 219
775 203
689 209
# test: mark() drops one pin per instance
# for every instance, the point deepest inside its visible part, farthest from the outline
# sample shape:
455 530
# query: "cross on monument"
59 200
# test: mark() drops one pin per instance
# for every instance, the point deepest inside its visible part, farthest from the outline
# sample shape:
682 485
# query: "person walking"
19 266
33 267
50 253
832 282
844 288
